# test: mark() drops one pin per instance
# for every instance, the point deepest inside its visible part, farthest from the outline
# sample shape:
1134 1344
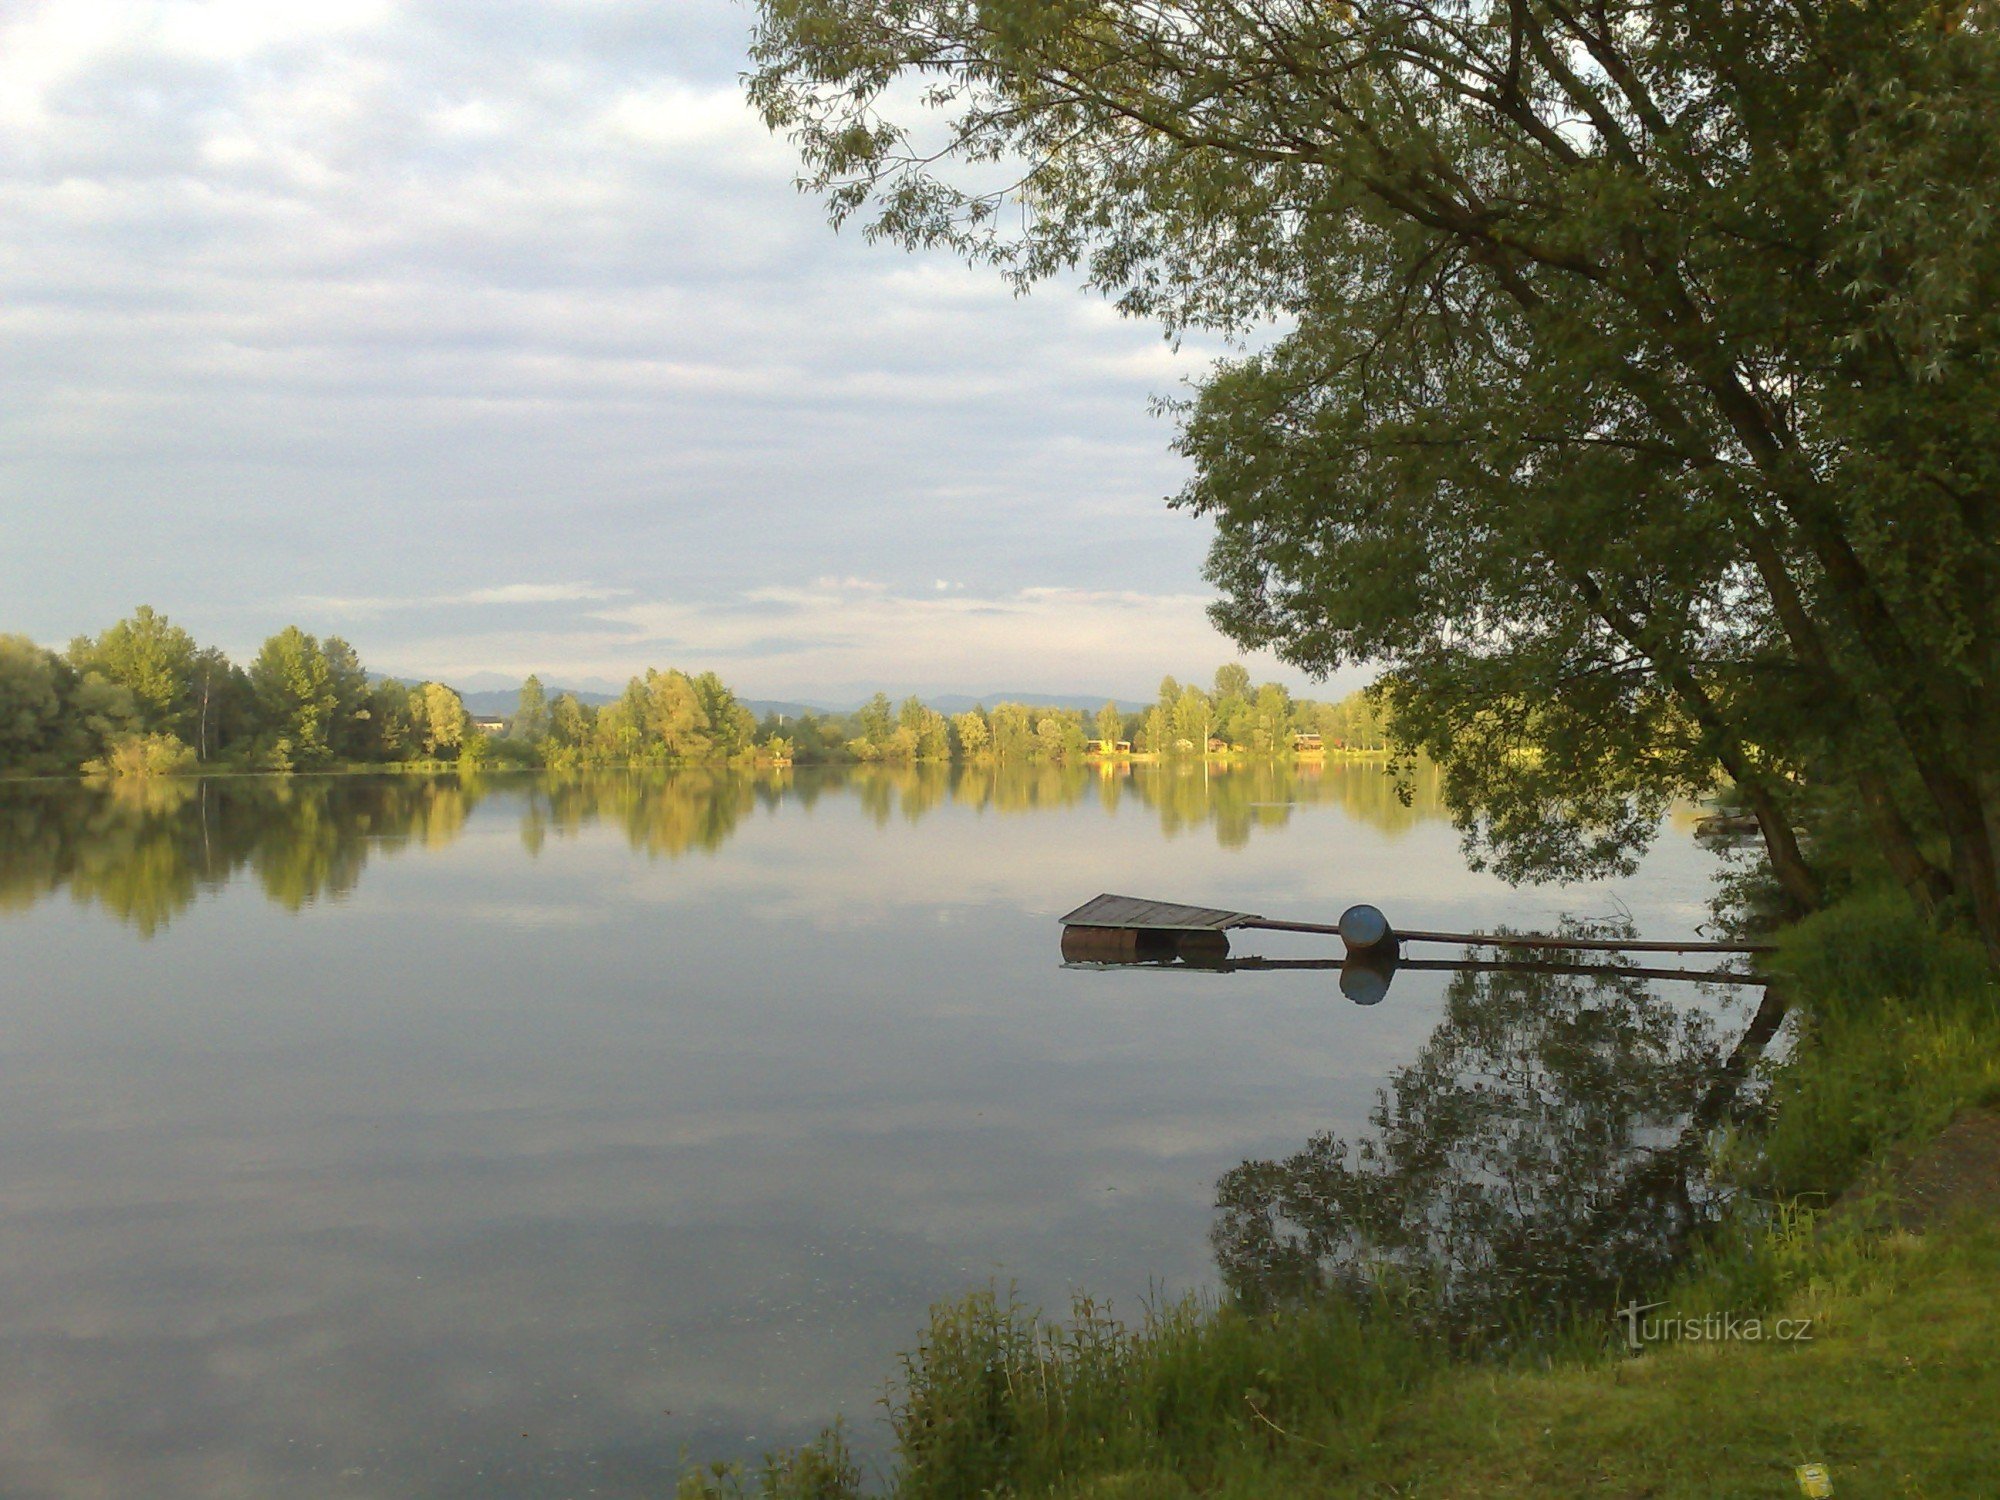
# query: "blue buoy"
1365 930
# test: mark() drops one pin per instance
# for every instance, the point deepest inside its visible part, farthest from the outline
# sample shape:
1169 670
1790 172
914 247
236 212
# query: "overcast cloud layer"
494 337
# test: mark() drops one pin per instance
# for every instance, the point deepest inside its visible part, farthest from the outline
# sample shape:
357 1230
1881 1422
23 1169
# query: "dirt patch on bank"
1957 1172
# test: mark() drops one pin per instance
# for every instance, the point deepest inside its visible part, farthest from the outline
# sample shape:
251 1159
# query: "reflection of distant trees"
1238 798
1543 1153
663 814
1234 798
144 848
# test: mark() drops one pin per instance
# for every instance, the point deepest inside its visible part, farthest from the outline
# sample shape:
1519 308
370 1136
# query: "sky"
495 338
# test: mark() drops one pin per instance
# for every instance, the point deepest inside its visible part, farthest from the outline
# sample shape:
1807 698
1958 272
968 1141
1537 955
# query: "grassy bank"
1893 1388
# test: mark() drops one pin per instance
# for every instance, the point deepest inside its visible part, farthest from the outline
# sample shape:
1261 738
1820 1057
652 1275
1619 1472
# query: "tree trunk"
1788 862
1927 884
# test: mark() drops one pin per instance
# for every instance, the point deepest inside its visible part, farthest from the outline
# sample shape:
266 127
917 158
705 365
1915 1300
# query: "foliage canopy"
1631 386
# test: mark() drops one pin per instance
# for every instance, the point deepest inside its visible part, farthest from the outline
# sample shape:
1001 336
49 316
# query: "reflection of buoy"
1365 977
1365 930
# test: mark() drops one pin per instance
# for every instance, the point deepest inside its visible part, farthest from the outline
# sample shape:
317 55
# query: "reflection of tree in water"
144 849
1237 798
663 815
1022 786
315 835
1542 1153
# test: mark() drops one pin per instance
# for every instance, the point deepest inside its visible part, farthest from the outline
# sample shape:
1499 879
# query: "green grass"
1897 1392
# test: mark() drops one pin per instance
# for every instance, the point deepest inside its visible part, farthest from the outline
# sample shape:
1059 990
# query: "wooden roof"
1135 911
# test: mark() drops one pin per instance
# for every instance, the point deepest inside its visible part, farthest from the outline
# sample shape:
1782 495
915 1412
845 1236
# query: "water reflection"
574 1120
144 850
1544 1152
1365 978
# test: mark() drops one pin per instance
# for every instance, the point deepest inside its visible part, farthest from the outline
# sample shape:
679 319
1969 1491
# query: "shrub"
143 755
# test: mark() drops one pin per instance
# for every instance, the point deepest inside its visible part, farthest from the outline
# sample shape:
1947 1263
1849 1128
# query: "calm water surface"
390 1136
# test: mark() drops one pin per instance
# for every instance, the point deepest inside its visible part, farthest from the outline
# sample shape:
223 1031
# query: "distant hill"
763 706
499 703
958 703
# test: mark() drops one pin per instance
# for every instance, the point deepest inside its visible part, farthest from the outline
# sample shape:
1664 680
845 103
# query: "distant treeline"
1233 717
145 698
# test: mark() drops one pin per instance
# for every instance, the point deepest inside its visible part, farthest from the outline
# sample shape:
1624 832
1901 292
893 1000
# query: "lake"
383 1136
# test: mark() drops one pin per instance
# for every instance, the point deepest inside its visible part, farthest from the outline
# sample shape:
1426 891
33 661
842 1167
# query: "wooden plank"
1167 916
1607 945
1135 913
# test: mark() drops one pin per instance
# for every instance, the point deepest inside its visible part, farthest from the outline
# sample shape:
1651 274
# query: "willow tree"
1625 375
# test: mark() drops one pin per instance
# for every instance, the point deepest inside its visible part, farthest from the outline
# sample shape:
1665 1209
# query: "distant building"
1217 745
1308 744
1107 747
487 724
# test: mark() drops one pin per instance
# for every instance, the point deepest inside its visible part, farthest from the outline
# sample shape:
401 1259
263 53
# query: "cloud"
508 593
425 294
830 638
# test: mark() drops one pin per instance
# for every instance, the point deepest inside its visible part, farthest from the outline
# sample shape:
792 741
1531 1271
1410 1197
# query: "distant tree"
392 723
221 705
621 730
440 716
1059 736
1013 731
1193 715
151 658
929 730
1235 721
296 698
347 682
675 719
33 687
1270 719
1232 680
877 719
569 721
732 728
531 712
973 735
1109 724
934 738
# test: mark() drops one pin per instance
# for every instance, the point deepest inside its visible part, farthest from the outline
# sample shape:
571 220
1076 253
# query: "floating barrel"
1365 930
1142 945
1098 944
1118 945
